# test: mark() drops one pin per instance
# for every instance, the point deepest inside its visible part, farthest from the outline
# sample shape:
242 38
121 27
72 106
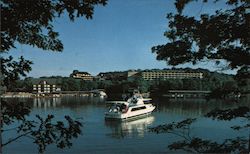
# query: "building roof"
86 73
173 71
48 80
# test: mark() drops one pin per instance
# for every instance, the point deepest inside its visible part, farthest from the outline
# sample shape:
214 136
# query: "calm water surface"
100 136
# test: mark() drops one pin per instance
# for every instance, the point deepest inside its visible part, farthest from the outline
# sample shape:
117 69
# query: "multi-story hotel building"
169 74
43 87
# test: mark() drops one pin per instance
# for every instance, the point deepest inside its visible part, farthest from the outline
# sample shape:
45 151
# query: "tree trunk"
1 117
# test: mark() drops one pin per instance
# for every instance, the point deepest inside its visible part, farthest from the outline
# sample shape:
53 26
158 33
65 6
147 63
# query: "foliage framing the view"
43 131
195 144
220 36
30 22
213 37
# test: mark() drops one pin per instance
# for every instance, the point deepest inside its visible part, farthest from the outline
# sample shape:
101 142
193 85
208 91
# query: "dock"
187 94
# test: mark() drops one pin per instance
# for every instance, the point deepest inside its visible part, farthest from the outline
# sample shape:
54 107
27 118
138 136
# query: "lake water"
100 136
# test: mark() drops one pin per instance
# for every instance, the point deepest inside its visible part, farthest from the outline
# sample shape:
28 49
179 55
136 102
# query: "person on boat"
124 97
124 108
134 99
118 108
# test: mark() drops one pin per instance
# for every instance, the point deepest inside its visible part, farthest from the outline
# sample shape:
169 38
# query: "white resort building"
43 87
170 74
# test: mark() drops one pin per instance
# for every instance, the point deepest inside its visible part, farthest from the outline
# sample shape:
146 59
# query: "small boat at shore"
131 108
99 93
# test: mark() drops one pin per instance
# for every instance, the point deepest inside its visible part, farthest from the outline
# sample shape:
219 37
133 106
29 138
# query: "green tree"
176 84
12 70
27 84
143 85
70 84
104 84
88 85
220 36
163 86
191 84
228 89
30 22
223 35
243 79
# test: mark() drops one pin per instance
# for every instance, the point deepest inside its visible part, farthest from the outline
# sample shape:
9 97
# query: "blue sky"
119 37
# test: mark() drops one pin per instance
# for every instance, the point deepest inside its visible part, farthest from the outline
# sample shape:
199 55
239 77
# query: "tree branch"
4 130
16 138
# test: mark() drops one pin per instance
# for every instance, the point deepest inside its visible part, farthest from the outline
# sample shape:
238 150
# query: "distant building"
82 75
112 76
154 74
170 74
131 73
43 87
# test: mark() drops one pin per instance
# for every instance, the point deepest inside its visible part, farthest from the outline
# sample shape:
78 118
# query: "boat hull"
130 114
129 118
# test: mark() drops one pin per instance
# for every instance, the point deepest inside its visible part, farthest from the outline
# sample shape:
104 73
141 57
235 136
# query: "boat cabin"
119 107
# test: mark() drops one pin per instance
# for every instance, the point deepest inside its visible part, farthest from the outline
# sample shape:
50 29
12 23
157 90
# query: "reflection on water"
181 107
100 136
137 127
44 102
195 107
58 102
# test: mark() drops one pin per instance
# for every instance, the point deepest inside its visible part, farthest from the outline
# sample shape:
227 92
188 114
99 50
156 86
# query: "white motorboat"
131 108
99 93
102 94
